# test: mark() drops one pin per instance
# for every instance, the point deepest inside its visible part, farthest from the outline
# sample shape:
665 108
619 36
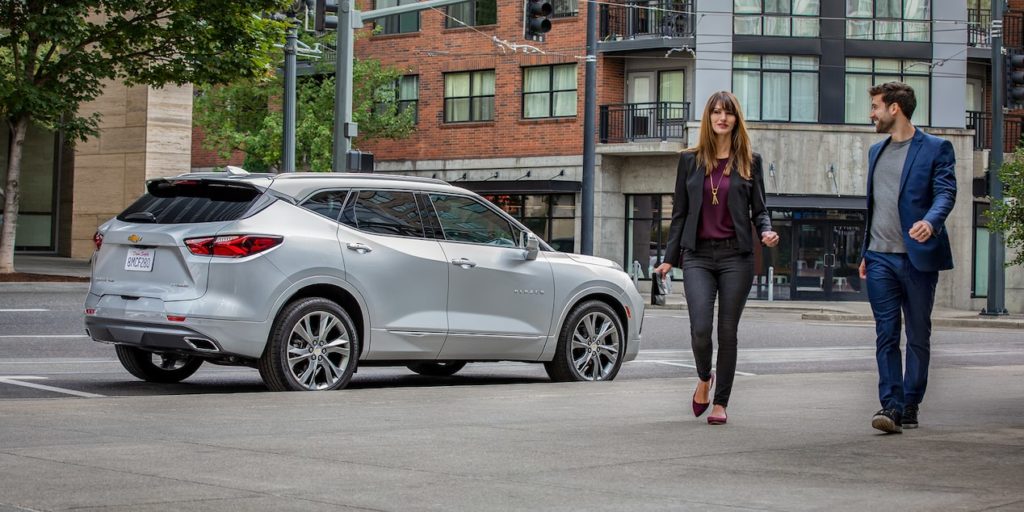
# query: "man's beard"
883 126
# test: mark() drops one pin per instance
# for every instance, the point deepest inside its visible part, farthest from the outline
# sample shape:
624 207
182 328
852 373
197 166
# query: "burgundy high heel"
718 420
699 409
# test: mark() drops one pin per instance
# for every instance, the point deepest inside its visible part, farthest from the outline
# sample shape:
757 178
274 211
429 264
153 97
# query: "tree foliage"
55 56
1008 217
246 115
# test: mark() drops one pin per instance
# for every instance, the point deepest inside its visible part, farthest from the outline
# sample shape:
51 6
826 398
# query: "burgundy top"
715 221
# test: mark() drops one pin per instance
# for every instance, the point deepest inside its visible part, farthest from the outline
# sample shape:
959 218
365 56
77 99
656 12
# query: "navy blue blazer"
927 192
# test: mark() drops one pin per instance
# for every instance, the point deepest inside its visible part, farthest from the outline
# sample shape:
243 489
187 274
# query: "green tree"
54 56
245 115
1008 217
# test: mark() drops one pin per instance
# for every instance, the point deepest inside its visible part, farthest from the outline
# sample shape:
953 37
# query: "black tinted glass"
464 219
184 202
385 212
328 203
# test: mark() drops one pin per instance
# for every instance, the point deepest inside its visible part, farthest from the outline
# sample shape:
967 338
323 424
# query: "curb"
943 322
765 307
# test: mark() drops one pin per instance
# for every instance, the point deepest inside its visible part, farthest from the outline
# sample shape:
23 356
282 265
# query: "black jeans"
716 269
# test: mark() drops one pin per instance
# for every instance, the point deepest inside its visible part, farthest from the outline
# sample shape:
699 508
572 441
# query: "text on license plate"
139 260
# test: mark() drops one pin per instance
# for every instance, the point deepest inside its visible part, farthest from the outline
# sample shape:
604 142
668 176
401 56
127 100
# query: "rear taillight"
97 239
231 246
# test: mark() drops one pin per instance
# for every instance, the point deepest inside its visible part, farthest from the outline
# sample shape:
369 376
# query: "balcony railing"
632 122
981 123
660 18
979 24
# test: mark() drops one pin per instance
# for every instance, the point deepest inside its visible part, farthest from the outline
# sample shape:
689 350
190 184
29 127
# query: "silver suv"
304 276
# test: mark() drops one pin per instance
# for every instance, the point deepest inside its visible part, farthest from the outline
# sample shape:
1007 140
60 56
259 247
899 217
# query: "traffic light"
1014 79
535 19
326 15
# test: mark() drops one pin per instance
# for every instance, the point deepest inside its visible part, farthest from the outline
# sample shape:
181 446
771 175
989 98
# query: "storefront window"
38 185
647 222
979 283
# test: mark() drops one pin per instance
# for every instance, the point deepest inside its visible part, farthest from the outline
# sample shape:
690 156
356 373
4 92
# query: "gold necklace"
714 188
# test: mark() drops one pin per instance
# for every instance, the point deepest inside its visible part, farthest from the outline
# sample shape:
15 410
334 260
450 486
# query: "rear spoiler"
154 185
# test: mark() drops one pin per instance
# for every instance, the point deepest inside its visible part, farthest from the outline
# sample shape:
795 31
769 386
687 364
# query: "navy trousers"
895 286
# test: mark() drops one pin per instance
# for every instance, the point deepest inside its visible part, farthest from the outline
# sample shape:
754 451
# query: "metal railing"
981 123
630 122
979 23
661 18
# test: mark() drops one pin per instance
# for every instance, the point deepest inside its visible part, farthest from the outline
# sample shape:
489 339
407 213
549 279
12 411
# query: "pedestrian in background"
911 189
719 195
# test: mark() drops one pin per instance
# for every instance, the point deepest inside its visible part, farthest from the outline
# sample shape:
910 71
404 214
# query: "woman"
719 195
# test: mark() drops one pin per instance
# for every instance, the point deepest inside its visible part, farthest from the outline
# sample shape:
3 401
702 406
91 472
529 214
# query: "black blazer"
745 202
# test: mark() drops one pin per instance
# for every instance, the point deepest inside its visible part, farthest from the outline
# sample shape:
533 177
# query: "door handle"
358 247
464 263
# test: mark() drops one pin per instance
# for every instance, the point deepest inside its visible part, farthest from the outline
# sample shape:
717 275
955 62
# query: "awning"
521 187
789 202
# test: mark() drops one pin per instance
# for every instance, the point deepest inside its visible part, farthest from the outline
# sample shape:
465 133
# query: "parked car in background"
306 276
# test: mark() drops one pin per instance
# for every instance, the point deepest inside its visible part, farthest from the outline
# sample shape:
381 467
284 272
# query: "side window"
464 219
385 212
327 203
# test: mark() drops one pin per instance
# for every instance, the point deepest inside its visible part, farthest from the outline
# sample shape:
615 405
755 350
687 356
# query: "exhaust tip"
202 344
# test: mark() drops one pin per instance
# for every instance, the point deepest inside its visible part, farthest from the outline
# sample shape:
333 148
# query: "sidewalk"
842 311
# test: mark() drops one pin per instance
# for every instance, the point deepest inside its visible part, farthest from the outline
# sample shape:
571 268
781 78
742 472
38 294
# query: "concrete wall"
144 133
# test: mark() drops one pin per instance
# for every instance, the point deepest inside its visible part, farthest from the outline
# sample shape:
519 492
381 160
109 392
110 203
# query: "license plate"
139 260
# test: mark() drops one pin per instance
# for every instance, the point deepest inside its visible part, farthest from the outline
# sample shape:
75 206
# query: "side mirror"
530 243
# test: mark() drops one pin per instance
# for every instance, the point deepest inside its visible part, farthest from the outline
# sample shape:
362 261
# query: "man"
911 190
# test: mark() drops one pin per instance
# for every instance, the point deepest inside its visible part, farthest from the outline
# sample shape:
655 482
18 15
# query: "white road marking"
671 362
32 310
8 380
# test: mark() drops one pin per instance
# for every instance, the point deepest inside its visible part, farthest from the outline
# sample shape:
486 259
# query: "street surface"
77 432
42 343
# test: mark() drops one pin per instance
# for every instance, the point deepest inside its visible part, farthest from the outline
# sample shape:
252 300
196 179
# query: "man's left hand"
921 231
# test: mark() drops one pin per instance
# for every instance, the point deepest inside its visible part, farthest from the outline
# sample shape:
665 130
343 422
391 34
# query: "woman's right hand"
663 269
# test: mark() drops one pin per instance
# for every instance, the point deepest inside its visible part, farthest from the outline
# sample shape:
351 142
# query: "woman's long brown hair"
741 156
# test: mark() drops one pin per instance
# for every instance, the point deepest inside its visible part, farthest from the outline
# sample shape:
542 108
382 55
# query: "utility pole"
995 304
589 105
288 142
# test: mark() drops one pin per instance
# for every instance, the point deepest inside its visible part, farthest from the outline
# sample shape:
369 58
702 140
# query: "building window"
404 93
397 23
647 221
552 217
565 8
472 13
776 87
862 74
549 91
979 260
469 96
671 95
889 20
788 18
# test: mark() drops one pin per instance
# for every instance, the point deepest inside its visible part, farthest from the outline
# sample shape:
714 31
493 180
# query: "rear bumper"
151 336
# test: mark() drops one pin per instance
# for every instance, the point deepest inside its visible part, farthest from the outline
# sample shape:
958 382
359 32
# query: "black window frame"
550 92
659 219
392 94
901 75
762 70
450 20
472 112
393 24
901 21
565 8
765 14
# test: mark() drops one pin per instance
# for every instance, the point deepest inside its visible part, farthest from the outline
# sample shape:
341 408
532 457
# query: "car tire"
590 345
157 367
313 346
436 369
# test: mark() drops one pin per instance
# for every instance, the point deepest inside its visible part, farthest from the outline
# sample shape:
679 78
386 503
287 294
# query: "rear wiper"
140 217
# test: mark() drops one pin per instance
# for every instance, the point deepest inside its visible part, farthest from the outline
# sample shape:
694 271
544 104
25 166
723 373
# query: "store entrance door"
826 261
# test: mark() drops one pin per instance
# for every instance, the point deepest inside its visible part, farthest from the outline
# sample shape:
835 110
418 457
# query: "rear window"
191 201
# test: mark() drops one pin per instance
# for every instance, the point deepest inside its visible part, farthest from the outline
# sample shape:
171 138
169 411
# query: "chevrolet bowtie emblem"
133 238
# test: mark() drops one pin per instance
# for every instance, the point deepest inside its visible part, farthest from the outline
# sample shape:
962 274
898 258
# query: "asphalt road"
45 353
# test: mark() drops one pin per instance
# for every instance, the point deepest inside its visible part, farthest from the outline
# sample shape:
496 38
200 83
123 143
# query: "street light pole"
589 157
288 144
994 304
